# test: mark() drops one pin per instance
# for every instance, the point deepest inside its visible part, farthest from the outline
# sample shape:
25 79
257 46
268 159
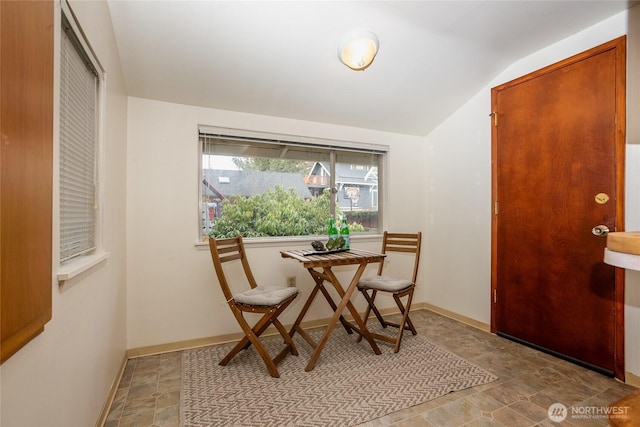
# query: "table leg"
296 324
320 279
344 302
363 331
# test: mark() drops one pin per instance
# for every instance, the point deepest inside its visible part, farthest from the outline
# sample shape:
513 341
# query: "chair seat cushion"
384 283
265 295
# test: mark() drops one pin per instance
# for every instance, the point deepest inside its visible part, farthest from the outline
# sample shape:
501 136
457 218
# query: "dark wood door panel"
556 152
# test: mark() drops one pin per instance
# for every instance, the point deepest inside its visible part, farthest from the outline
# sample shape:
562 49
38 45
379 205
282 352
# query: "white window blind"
78 146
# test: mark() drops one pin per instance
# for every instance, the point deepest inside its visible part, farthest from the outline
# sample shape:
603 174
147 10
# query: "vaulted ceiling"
279 58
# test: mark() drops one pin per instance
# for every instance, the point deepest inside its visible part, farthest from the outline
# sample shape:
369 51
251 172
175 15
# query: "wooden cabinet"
26 170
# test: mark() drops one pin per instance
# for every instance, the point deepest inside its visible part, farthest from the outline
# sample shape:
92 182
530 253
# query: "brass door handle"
600 230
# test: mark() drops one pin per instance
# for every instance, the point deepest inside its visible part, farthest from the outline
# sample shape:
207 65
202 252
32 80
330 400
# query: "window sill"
79 266
289 241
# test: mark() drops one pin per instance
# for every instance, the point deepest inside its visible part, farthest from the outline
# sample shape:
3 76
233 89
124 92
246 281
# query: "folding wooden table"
319 266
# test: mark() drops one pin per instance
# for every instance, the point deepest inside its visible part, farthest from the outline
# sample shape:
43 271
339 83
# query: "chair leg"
245 342
371 300
409 326
235 350
367 311
287 339
251 337
266 358
406 321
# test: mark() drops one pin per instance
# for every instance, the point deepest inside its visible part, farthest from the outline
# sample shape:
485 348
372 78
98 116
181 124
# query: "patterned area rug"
349 385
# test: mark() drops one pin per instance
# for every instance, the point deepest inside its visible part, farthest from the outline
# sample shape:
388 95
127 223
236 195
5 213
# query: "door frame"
619 45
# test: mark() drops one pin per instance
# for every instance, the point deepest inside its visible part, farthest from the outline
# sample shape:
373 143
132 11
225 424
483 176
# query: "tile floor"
530 381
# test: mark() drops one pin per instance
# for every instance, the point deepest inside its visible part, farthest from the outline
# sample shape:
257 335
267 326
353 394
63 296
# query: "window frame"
72 266
330 145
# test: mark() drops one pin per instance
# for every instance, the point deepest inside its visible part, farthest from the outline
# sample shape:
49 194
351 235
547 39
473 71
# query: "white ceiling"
279 58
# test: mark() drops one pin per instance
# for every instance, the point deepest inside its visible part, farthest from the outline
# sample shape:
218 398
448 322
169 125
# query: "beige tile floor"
529 382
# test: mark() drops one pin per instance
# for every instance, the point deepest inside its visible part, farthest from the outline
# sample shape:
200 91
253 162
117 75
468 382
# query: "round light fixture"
357 49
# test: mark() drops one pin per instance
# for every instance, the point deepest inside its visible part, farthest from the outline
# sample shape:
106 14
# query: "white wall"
62 377
458 186
173 294
632 278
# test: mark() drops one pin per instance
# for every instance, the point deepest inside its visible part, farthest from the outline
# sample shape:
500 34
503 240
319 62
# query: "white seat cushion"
384 283
265 295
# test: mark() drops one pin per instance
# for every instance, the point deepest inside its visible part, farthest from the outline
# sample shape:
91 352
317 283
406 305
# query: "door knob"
600 230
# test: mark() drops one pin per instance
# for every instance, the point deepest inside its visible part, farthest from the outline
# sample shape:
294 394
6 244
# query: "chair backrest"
402 242
225 250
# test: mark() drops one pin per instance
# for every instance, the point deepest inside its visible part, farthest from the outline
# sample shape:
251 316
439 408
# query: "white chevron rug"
349 385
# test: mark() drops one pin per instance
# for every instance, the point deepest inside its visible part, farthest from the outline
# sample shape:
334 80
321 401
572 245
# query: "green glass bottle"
344 232
333 230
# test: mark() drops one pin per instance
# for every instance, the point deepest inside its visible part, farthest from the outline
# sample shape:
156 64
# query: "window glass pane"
357 184
260 188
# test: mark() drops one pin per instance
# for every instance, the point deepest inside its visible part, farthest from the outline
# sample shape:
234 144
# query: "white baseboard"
631 379
455 316
112 394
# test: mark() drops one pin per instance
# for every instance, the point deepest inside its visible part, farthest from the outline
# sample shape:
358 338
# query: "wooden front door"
558 172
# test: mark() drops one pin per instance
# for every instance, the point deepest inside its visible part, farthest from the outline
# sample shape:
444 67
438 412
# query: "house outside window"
80 84
264 185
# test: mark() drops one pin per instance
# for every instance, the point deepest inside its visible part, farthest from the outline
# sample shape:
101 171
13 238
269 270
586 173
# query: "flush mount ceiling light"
357 49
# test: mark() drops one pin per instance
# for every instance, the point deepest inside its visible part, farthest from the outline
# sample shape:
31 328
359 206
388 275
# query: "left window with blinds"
81 78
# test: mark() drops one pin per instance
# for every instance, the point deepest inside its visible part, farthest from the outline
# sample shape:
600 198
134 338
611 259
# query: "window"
262 185
79 119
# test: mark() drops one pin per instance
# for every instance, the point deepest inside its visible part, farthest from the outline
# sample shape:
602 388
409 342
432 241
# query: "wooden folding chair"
398 287
269 301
